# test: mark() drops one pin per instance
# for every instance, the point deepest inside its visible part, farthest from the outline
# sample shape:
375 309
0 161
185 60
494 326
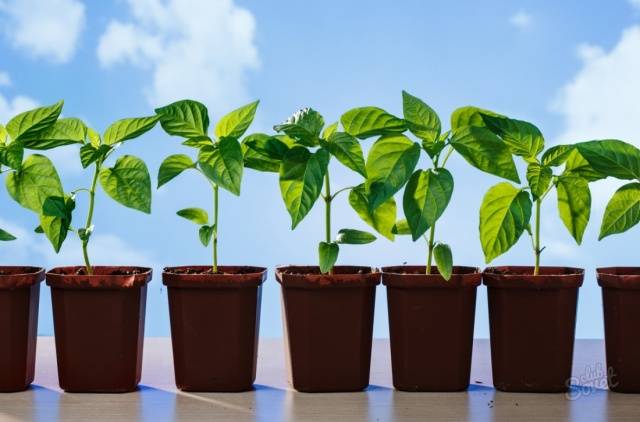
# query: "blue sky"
570 67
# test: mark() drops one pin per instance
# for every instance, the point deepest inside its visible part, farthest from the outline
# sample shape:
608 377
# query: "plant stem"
87 226
215 229
432 234
327 200
536 239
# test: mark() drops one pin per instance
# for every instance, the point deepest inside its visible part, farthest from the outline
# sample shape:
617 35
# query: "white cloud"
47 29
198 49
635 3
15 105
522 20
5 79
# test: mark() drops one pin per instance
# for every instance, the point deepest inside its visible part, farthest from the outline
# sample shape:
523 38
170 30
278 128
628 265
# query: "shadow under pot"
532 325
19 298
328 326
621 304
215 320
99 327
431 327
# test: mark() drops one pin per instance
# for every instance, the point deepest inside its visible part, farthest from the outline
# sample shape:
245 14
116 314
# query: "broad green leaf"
128 183
577 165
11 155
622 212
304 126
236 123
223 164
523 138
172 166
89 154
574 204
504 214
36 180
433 148
198 142
426 196
556 155
33 121
382 218
58 206
55 219
301 179
612 157
390 163
485 151
38 230
4 135
444 260
329 130
420 119
354 237
125 129
469 116
328 253
197 215
269 146
365 122
6 236
94 137
348 151
205 233
65 131
401 228
258 161
186 118
539 178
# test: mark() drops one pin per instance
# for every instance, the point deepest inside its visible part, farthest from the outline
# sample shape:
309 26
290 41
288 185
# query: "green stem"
87 226
327 200
215 229
430 245
536 238
446 158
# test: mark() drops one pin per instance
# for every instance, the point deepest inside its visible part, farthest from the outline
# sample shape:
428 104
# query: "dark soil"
317 271
238 270
83 271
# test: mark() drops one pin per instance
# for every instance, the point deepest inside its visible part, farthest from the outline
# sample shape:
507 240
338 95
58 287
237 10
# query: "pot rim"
551 277
26 276
316 280
626 278
256 277
466 276
65 277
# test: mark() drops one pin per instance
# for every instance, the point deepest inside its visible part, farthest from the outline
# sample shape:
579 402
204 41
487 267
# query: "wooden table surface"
273 399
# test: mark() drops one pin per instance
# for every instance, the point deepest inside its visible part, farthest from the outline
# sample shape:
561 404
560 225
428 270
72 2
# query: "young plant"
220 158
506 209
36 185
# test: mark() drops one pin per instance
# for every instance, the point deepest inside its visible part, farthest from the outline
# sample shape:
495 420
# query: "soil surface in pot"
103 277
201 269
18 276
308 270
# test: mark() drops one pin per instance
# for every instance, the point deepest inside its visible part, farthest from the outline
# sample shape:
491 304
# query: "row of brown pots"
99 326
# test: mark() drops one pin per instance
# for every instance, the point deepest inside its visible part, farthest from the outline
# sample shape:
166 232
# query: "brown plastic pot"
215 321
621 304
431 327
19 298
99 327
328 326
532 325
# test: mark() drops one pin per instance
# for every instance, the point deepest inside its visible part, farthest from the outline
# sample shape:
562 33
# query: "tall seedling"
220 158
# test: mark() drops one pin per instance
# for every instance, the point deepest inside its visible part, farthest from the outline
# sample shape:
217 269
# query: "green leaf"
401 228
172 166
329 130
504 214
390 163
556 155
539 178
622 212
258 161
205 233
4 135
444 260
485 151
198 142
426 196
55 219
128 183
382 218
354 237
301 179
197 215
328 253
223 164
347 150
38 230
63 132
36 180
236 123
5 236
469 116
269 146
11 155
365 122
421 119
33 121
304 126
522 138
94 137
574 204
578 166
612 158
89 154
186 118
125 129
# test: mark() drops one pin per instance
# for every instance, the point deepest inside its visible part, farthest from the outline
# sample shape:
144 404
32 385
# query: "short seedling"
220 157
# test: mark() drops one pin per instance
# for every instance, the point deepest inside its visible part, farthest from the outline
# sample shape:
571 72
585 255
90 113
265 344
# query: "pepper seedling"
220 158
36 185
506 209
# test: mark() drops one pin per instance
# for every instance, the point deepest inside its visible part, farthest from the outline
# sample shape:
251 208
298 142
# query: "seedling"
35 184
220 158
506 209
